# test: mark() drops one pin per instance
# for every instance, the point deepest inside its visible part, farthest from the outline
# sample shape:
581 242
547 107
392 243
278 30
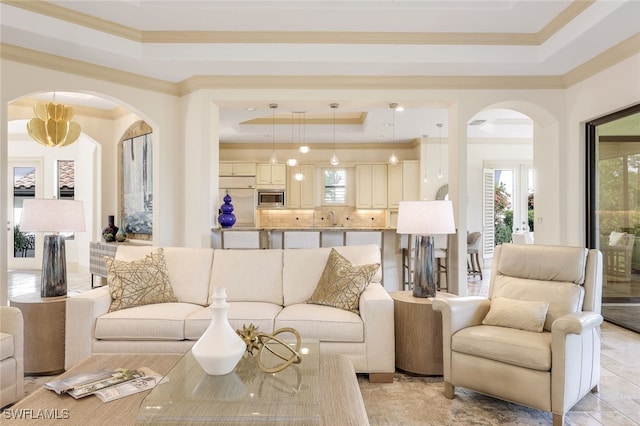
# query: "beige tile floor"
617 402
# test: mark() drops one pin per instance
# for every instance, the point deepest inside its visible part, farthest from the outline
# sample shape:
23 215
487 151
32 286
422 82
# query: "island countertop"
306 229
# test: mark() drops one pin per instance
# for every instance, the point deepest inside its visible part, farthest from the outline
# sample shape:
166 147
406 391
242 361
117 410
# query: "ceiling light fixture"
393 159
292 162
440 149
52 125
274 158
334 161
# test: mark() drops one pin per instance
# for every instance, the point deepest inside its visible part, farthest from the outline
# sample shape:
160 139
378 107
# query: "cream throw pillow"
341 283
139 282
520 314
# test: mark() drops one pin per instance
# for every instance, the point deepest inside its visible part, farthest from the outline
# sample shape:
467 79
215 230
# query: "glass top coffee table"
246 395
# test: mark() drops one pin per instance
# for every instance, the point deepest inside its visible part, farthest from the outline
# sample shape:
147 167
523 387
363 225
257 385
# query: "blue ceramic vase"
226 219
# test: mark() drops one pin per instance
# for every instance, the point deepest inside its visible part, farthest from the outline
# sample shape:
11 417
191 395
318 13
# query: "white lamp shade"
51 215
425 218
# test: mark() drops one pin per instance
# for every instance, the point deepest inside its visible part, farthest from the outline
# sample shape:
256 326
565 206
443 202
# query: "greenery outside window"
334 186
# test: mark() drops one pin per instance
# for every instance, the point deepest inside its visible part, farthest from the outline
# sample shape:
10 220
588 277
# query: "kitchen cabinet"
237 169
403 183
302 194
371 186
271 175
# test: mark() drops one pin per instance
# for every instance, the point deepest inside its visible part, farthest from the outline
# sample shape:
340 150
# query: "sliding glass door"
614 211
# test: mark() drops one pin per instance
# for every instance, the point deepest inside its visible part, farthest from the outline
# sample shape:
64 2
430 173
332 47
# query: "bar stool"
473 248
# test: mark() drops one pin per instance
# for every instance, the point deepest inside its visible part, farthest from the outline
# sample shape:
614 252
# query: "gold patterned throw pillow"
139 282
341 283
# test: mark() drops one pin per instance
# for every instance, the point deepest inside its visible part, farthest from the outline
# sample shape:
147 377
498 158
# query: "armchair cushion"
615 238
521 348
520 314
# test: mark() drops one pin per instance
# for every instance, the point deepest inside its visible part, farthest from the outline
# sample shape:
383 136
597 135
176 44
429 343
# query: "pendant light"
393 159
52 125
274 158
440 149
291 161
304 148
334 161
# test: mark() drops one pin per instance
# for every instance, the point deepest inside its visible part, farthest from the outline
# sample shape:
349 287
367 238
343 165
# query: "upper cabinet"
302 194
271 175
403 183
371 186
237 169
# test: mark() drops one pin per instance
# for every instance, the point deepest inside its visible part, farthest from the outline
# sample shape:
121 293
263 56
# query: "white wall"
558 139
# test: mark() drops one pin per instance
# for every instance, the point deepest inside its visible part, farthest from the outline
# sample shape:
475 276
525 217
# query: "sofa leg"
595 389
381 377
558 419
449 390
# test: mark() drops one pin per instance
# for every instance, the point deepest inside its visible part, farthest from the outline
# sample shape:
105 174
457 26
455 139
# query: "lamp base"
424 276
53 282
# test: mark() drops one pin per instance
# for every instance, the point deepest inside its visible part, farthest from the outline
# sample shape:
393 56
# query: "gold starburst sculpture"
271 345
52 125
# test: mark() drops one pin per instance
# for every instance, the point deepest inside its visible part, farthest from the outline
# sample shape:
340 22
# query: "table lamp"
425 219
52 215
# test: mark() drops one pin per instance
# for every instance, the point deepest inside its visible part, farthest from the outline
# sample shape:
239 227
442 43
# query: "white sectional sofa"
265 287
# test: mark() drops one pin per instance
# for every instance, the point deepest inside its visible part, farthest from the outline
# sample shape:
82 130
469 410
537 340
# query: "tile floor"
617 402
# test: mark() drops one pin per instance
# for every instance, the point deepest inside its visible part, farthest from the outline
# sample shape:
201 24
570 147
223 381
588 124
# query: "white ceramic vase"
220 348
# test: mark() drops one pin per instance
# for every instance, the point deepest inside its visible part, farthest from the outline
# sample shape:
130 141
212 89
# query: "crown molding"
319 146
85 69
78 110
304 37
618 53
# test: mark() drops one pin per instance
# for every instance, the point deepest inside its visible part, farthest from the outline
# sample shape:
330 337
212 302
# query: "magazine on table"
107 385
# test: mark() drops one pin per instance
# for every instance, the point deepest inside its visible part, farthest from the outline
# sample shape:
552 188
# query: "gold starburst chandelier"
52 125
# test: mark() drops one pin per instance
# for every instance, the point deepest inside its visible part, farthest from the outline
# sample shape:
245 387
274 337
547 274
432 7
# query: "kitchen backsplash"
342 216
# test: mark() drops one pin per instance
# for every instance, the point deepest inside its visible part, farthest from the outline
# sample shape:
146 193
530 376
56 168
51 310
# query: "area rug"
413 400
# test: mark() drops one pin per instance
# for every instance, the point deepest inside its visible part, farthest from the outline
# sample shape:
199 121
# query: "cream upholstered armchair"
535 340
11 355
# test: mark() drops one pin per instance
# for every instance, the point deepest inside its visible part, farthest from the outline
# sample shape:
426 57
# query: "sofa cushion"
521 348
341 283
139 282
248 275
261 314
162 321
323 323
6 346
189 269
302 268
520 314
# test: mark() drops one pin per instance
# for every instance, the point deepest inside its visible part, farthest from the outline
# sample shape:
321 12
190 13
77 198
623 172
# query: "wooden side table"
44 323
418 330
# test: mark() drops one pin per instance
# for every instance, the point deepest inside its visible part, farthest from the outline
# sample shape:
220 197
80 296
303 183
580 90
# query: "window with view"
335 186
66 186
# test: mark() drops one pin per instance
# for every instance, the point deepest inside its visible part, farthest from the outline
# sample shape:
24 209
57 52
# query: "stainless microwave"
271 198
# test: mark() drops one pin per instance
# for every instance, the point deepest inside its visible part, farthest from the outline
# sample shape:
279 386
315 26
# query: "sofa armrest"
457 313
82 311
575 349
12 322
376 311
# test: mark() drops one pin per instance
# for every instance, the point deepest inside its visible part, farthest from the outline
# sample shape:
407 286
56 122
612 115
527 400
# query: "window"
334 186
66 186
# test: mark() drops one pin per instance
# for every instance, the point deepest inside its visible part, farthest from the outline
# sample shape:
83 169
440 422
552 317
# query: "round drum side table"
418 330
44 323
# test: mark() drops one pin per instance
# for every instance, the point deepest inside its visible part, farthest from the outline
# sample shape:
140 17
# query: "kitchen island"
311 237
